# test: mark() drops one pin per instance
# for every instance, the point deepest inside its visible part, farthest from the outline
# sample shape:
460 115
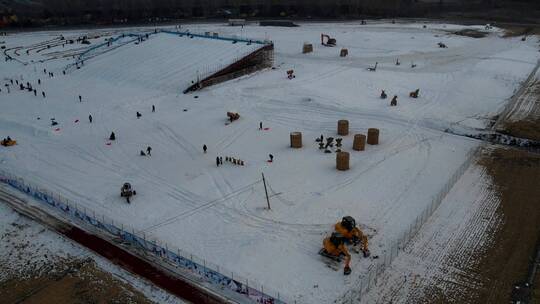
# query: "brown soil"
515 31
516 177
70 282
524 129
471 33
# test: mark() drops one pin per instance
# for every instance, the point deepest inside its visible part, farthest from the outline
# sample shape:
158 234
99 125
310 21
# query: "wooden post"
266 192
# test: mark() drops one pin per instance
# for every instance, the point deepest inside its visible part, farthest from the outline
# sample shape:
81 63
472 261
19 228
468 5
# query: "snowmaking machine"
127 192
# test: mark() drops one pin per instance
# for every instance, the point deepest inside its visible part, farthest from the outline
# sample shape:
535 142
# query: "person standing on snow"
90 118
149 151
271 157
260 125
80 98
153 108
204 147
217 161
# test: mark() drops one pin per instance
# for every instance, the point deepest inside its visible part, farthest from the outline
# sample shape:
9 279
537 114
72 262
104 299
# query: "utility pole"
266 191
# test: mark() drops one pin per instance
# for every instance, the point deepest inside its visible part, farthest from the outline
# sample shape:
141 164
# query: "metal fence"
186 262
369 278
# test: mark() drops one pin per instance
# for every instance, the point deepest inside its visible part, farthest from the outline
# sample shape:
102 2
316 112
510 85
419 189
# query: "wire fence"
204 270
369 277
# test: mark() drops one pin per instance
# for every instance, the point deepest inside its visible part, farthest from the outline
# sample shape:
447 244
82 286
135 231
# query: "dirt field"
516 175
70 282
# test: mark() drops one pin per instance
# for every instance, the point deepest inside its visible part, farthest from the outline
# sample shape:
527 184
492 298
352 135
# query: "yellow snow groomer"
353 235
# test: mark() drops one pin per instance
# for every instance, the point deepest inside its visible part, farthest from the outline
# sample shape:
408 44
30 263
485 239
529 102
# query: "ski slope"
218 213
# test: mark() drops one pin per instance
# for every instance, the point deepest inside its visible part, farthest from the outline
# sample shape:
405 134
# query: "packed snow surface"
219 213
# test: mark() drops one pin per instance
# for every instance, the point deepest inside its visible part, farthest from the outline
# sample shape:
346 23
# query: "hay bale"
359 143
342 161
373 136
307 48
343 127
296 140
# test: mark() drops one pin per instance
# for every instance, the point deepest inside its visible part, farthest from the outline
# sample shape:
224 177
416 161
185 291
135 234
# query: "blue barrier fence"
205 271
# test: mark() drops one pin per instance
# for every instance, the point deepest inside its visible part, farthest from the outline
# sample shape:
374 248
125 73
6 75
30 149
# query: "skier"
149 151
90 118
271 158
112 137
260 125
138 115
204 147
153 108
217 161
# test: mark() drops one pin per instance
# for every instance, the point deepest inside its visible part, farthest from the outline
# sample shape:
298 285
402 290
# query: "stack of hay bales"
373 136
296 140
342 161
359 143
307 48
343 127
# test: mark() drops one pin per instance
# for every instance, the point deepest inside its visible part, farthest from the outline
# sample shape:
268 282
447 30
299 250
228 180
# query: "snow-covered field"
218 213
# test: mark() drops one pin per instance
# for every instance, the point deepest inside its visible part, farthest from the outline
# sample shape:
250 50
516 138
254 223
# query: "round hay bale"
296 140
359 143
373 136
343 127
342 161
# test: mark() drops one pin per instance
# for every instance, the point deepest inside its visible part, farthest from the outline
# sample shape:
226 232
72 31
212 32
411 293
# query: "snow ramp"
173 62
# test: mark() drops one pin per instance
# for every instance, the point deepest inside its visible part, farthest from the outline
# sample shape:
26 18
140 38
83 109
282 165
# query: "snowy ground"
438 260
218 213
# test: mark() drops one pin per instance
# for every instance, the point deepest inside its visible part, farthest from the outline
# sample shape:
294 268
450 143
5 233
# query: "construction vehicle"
353 235
329 41
8 142
127 192
334 248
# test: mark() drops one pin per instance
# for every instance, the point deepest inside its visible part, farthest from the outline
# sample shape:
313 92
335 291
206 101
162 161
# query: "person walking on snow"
260 125
138 115
43 94
221 160
217 161
204 147
149 151
80 98
153 108
271 157
90 118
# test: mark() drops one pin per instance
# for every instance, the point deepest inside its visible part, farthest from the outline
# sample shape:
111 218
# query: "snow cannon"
127 192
